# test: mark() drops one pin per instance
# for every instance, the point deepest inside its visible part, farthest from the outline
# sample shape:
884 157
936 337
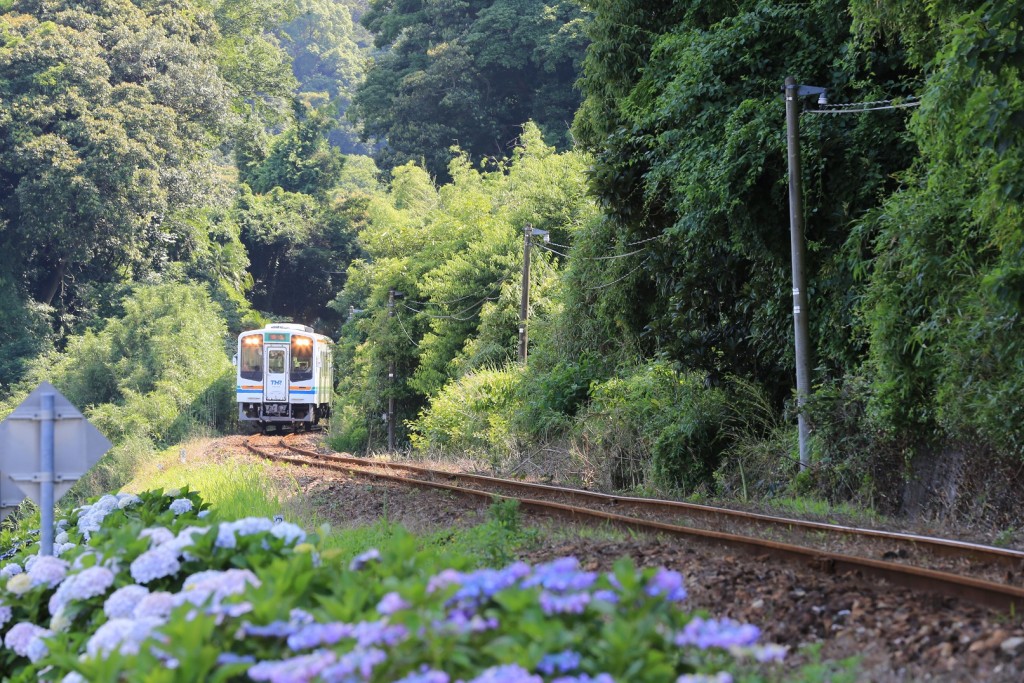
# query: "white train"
284 376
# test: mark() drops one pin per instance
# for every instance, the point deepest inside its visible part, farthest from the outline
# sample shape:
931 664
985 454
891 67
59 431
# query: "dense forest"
175 171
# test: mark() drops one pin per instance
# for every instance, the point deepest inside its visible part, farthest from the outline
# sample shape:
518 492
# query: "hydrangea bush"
152 588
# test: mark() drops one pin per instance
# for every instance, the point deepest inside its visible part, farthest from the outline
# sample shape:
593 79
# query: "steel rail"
1012 560
999 596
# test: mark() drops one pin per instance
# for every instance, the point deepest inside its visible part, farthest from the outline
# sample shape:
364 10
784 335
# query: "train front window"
251 363
275 361
302 359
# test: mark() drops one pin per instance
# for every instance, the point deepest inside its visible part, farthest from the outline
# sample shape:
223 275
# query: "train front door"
275 388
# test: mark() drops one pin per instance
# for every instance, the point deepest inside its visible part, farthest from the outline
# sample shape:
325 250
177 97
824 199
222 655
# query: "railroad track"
979 573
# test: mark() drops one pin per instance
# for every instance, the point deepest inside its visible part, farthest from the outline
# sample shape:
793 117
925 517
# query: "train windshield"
302 359
251 363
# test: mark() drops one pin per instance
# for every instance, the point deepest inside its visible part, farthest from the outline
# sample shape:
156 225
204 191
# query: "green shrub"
658 426
472 415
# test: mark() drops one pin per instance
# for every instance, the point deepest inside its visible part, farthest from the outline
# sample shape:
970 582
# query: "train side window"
251 366
302 359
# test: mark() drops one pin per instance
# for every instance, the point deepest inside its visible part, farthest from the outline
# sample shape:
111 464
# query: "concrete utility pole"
796 236
524 303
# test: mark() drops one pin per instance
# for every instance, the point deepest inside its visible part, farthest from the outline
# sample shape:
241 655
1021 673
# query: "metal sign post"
46 445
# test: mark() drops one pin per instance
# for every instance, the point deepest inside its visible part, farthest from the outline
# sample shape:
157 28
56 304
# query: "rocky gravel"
896 634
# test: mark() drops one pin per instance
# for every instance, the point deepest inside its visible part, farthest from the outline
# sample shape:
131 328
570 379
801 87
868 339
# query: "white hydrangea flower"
21 635
19 584
47 571
86 584
10 570
180 506
121 603
155 564
158 605
123 635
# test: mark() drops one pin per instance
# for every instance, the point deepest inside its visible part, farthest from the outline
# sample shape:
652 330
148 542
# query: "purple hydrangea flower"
180 506
155 563
723 633
295 670
21 635
47 570
121 603
391 603
363 559
667 583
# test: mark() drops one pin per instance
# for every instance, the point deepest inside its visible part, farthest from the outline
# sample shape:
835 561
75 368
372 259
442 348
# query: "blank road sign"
77 445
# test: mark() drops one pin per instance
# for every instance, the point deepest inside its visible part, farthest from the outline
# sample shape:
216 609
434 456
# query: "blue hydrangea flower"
357 662
10 570
21 635
560 663
180 506
301 669
155 563
46 570
121 603
291 533
317 635
123 635
158 605
723 633
507 673
86 584
426 675
720 677
247 526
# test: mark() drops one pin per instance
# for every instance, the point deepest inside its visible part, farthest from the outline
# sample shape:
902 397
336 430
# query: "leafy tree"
684 115
108 118
468 74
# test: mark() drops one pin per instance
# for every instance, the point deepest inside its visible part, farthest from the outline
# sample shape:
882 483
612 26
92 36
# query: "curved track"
974 572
